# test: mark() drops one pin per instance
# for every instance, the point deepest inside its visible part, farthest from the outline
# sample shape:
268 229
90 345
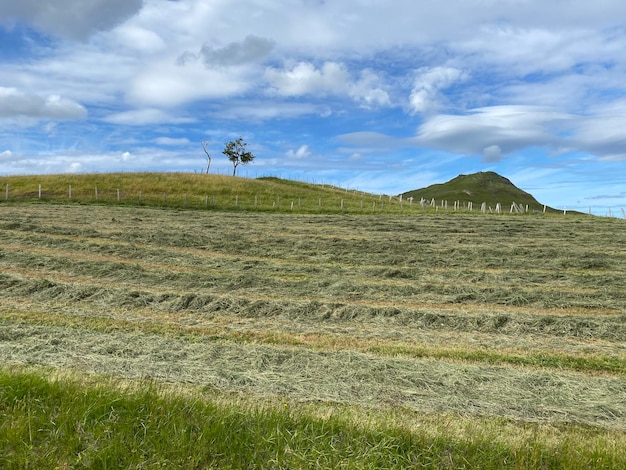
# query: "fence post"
237 200
6 197
118 195
96 193
39 191
140 197
256 201
70 191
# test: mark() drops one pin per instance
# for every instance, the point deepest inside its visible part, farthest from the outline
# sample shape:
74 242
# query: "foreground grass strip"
63 422
324 342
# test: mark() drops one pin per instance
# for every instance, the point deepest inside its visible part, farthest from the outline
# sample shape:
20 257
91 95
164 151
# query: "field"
143 337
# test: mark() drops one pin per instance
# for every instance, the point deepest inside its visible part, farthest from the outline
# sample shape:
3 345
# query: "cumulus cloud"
370 90
429 83
302 152
16 104
75 19
331 78
304 78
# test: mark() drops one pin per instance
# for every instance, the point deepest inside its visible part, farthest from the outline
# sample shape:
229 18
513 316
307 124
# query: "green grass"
68 423
193 191
217 192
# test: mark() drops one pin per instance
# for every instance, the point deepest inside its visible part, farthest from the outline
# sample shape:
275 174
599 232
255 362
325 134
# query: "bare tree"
205 144
237 153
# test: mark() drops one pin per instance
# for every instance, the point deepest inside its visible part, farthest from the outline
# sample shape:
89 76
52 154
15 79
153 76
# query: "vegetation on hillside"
483 187
199 191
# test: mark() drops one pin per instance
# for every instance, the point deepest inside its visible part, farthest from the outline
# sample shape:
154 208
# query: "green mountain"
478 188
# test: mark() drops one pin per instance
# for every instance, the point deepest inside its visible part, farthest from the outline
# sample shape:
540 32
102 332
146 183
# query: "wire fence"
336 201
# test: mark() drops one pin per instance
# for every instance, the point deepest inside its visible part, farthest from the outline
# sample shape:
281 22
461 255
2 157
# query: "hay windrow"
514 317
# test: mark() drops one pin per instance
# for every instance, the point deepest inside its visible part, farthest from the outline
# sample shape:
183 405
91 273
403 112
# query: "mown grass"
69 423
493 338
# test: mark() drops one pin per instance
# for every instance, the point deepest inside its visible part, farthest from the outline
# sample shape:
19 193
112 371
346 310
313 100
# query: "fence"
350 201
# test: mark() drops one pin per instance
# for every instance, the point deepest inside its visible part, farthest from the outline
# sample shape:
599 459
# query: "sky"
383 96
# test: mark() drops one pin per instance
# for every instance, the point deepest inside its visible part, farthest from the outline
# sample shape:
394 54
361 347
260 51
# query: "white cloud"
6 156
171 141
370 90
304 78
509 128
15 104
75 167
139 38
302 152
492 154
166 84
145 116
429 83
75 19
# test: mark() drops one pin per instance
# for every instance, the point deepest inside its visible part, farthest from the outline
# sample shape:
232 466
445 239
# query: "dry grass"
487 318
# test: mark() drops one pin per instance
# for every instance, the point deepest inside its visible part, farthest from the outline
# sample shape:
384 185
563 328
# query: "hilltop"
482 187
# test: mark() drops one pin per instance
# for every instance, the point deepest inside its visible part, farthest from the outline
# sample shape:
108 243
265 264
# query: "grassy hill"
483 187
189 190
199 191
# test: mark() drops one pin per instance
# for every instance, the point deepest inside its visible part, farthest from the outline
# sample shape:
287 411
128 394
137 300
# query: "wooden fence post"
118 195
96 190
6 197
70 191
39 191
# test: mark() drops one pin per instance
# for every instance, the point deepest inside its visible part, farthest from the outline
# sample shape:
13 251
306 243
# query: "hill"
190 190
482 187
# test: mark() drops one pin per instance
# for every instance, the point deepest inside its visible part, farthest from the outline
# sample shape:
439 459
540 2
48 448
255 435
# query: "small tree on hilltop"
237 153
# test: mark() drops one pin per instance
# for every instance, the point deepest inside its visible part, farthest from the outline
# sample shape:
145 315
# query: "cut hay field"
320 341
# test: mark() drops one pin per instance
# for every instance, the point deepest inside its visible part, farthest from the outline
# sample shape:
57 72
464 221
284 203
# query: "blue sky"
381 96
